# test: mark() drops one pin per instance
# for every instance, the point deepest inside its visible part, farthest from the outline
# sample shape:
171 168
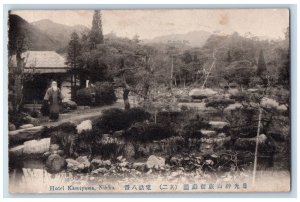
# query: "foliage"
96 35
117 119
219 103
193 127
104 94
148 132
261 64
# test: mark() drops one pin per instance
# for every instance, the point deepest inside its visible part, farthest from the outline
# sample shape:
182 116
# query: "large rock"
84 126
246 143
36 146
198 93
55 163
26 126
16 151
155 161
80 164
208 133
218 124
69 105
11 127
21 135
129 151
97 163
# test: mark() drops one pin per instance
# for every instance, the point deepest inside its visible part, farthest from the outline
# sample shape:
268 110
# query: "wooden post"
256 146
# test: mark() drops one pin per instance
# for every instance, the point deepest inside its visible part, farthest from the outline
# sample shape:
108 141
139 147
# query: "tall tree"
74 53
261 64
18 44
96 35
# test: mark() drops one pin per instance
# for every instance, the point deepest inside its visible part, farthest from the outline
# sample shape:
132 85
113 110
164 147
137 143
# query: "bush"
147 132
104 94
193 127
117 119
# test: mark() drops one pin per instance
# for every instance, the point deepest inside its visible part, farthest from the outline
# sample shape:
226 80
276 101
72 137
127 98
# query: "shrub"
147 132
104 94
193 127
117 119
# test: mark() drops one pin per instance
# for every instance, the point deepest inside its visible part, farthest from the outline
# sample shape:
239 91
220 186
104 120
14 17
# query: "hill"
194 38
36 39
58 31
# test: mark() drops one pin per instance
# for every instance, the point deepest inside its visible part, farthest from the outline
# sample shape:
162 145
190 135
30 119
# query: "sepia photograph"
149 100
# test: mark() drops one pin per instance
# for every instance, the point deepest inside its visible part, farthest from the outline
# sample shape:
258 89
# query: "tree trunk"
18 94
256 146
125 98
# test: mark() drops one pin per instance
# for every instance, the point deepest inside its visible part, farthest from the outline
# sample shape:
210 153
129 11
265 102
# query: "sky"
148 24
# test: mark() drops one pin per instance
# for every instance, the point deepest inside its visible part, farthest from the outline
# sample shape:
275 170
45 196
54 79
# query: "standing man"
54 98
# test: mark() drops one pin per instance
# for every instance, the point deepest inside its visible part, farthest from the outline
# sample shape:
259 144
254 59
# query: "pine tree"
261 64
96 35
74 53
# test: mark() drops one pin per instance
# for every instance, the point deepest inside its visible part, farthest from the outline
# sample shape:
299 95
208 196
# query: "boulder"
84 126
31 120
36 146
16 151
100 170
84 160
140 166
245 143
208 133
129 151
218 124
11 127
155 161
119 133
198 93
69 105
80 164
53 148
55 163
26 126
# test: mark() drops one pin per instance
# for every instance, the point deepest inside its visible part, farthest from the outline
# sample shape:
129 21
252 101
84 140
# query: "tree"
220 104
18 44
261 64
73 56
96 35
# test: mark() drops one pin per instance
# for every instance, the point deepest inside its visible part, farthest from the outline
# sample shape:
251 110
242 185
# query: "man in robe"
54 98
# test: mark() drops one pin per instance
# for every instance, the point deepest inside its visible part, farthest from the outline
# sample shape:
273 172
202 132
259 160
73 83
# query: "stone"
72 164
129 151
119 133
198 93
26 126
36 146
69 105
53 148
55 163
244 143
100 170
123 164
208 133
84 160
11 126
119 158
16 151
140 166
155 161
84 126
218 124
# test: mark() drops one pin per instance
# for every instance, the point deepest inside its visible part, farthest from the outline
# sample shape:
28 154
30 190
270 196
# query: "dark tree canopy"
96 35
261 64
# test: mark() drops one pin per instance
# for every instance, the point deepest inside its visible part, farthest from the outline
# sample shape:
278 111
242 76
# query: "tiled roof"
42 62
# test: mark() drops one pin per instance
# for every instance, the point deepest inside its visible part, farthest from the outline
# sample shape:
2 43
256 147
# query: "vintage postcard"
149 100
